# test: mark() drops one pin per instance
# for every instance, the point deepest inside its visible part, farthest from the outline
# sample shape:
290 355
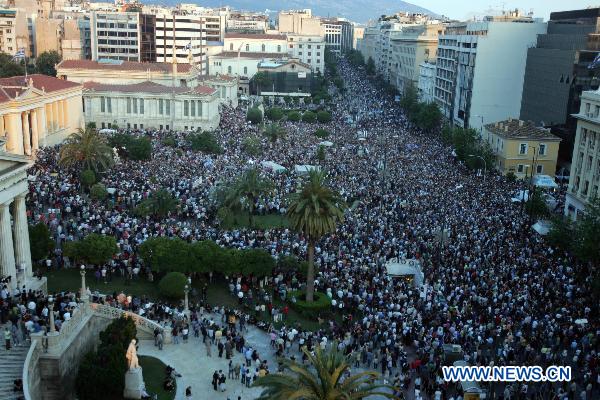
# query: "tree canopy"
45 62
87 149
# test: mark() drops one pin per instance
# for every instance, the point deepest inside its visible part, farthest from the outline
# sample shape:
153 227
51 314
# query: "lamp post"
186 290
51 309
484 164
83 296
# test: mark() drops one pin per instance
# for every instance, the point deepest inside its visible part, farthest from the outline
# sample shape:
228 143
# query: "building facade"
490 67
13 32
300 22
183 35
522 148
557 71
126 36
338 33
426 84
286 78
445 72
309 50
226 87
38 111
150 105
585 167
247 23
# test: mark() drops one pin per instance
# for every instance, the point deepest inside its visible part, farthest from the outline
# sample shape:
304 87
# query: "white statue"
132 358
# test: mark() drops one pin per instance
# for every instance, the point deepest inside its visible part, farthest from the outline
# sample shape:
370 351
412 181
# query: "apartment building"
300 22
247 23
13 32
489 67
126 36
181 36
338 33
426 84
309 50
585 167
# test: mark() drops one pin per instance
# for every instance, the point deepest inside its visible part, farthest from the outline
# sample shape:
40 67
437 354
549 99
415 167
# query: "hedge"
172 285
254 115
309 117
324 116
322 133
294 116
321 302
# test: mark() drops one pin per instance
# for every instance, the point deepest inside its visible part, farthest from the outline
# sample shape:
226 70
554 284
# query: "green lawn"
154 375
70 279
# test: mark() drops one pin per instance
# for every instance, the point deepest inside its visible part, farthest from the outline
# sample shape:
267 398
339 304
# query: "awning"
542 227
305 169
273 166
544 181
326 143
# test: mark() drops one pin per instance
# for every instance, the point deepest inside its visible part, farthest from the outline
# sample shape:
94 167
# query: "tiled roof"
218 77
261 36
281 63
12 87
124 66
517 129
148 87
249 54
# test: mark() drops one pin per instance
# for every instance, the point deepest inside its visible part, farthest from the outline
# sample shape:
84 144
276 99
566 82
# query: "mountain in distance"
355 10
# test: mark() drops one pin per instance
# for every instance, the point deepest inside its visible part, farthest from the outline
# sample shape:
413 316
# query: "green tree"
274 132
294 116
536 205
88 178
86 149
209 257
274 113
315 211
9 68
324 116
167 254
561 233
326 377
428 116
254 115
45 62
370 66
587 234
309 117
160 203
40 242
173 285
322 133
257 262
245 192
410 101
205 142
261 79
98 192
321 153
139 148
251 145
94 249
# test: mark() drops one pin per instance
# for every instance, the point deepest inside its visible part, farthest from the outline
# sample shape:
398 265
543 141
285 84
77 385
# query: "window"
129 105
193 108
542 151
279 48
247 47
168 103
199 108
222 95
185 108
103 125
160 107
141 106
245 70
523 148
539 169
102 106
141 126
160 127
520 168
135 104
229 69
263 48
167 127
230 46
109 105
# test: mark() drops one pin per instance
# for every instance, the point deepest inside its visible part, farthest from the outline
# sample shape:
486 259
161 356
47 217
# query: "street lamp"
83 295
484 164
51 308
186 309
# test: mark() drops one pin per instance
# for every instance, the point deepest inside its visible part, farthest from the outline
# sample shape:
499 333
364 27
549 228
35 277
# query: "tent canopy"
544 181
542 227
326 143
305 169
273 166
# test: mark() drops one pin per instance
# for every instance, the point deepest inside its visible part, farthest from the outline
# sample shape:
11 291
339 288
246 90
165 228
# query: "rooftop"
11 88
147 87
123 66
518 129
249 54
254 36
218 77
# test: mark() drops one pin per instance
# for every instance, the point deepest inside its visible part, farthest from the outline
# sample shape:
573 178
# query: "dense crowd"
491 286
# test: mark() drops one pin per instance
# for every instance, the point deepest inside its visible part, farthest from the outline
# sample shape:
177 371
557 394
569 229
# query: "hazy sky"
463 9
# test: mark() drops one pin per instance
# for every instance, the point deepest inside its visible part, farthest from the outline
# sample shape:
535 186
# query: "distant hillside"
354 10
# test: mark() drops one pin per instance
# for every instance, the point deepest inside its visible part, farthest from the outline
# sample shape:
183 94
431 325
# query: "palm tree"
261 79
88 149
322 380
243 193
274 132
315 211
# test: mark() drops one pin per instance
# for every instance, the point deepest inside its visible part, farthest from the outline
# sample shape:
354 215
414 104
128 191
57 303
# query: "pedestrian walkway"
190 360
11 368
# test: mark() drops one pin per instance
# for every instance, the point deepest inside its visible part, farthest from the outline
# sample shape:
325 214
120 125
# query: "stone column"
54 116
49 119
42 125
7 255
14 128
35 138
21 237
65 113
26 133
2 130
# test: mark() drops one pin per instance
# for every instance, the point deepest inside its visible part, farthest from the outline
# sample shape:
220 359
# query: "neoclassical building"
15 255
226 86
151 105
38 110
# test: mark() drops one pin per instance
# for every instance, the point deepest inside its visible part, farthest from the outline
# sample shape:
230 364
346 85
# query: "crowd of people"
492 285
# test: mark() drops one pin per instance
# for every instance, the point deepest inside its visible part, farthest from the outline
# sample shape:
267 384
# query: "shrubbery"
297 300
322 133
274 113
41 243
98 192
324 116
94 249
172 285
135 148
88 178
294 116
105 368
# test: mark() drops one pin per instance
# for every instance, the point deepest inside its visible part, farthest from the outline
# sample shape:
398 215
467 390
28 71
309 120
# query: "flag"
188 46
19 55
595 63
